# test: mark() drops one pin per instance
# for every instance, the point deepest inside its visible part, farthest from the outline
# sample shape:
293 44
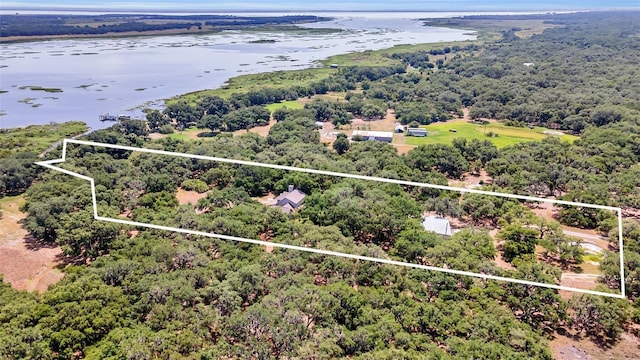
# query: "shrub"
195 185
166 129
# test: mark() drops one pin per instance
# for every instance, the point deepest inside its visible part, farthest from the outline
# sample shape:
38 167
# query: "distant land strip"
18 27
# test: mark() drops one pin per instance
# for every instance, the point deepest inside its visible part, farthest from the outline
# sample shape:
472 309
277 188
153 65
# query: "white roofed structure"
383 136
438 225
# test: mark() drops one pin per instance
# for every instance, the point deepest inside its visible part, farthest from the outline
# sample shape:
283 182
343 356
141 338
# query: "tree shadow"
576 269
34 244
208 134
63 260
602 341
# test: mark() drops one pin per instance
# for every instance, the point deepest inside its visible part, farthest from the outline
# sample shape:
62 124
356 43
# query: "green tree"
213 105
156 120
195 185
17 172
541 308
280 114
610 266
518 241
443 158
600 318
213 122
341 144
413 242
565 249
183 113
371 111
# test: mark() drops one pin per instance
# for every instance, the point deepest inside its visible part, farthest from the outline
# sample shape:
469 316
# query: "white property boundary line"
50 164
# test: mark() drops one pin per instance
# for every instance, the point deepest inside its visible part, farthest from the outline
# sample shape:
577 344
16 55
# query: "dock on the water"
109 117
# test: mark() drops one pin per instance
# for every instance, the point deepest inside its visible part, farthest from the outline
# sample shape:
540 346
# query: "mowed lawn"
441 133
292 105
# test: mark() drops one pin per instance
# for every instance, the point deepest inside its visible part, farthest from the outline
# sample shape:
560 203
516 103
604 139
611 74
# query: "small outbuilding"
399 128
417 132
381 136
438 225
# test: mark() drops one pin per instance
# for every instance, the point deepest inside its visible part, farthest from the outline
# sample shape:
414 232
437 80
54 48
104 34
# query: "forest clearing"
24 263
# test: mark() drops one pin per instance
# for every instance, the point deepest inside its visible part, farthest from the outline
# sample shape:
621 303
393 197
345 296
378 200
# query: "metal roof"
365 134
437 224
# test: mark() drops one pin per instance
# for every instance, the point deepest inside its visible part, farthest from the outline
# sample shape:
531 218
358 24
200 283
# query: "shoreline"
231 82
343 59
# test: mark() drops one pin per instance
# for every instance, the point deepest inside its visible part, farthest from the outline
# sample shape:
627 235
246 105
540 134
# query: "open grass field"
37 138
293 105
440 133
189 134
383 57
245 83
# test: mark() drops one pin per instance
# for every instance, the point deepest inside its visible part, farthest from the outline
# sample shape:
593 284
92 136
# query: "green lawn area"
292 104
189 134
382 57
245 83
179 136
37 138
439 133
10 205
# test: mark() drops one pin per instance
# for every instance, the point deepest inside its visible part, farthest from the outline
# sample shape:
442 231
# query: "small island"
263 41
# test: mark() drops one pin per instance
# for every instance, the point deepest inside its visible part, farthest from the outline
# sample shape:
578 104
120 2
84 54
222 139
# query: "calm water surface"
124 75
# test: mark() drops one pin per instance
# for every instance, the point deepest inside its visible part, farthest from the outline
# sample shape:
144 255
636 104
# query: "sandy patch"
631 213
260 130
189 197
388 123
328 133
553 132
403 148
577 281
472 181
269 199
544 210
24 263
193 135
566 348
154 136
